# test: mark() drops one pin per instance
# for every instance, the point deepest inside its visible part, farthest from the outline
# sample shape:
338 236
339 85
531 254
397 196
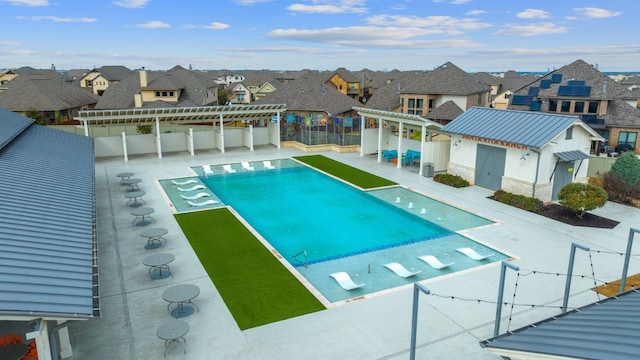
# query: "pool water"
321 225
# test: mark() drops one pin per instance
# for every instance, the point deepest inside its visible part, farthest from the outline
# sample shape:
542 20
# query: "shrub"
619 190
144 129
580 198
519 201
451 180
622 182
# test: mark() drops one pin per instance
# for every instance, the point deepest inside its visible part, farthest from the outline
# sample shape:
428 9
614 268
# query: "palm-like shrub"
580 198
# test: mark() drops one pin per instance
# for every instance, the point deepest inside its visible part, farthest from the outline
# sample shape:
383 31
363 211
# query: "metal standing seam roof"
48 264
572 155
608 329
533 129
180 114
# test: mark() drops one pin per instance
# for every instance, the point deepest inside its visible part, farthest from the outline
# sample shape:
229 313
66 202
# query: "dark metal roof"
48 266
608 329
572 155
533 129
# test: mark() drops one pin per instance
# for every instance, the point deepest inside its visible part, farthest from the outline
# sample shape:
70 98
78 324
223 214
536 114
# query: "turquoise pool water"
321 225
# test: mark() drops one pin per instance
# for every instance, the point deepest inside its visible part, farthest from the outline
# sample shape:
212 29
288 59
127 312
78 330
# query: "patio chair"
434 262
267 164
203 203
193 188
345 280
247 166
196 196
228 168
400 270
472 253
389 155
206 170
185 182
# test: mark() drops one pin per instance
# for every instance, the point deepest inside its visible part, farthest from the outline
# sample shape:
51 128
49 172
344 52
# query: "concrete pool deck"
377 327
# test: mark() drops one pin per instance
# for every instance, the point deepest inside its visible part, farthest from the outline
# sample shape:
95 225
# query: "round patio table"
142 216
181 294
154 236
172 332
158 264
132 184
135 198
124 175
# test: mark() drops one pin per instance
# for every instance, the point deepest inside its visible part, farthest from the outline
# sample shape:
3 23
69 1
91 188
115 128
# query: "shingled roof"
114 72
447 111
446 79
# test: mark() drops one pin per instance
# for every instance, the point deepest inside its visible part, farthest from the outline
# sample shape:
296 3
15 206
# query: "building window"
578 107
240 97
553 105
420 104
157 93
569 133
171 93
627 138
412 103
565 106
593 107
432 103
164 94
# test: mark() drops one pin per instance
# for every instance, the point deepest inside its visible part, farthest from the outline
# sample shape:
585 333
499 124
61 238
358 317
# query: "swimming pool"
321 225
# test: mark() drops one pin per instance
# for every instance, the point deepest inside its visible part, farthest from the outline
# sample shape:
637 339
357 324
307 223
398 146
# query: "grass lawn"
348 173
254 285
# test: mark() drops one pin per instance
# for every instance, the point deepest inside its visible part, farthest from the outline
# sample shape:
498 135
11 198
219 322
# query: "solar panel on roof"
534 90
536 105
545 84
521 100
556 78
576 83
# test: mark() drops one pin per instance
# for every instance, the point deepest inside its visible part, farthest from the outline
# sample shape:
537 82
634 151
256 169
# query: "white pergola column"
380 140
158 142
86 127
400 133
65 344
278 129
362 127
124 146
251 137
192 149
423 134
221 134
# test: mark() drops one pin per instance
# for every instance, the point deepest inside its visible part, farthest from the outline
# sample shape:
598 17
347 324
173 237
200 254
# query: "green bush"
622 182
451 180
627 167
519 201
580 198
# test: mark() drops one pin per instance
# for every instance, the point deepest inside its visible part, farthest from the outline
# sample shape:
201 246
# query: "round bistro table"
172 332
135 198
142 216
154 236
181 294
157 264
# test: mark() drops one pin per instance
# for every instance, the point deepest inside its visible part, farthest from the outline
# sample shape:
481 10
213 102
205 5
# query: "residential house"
177 87
503 86
10 74
48 92
345 82
98 80
580 89
256 84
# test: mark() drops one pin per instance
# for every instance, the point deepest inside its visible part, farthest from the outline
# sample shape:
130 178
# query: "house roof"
622 115
346 75
608 329
114 72
447 79
307 94
48 264
447 111
44 93
397 117
533 129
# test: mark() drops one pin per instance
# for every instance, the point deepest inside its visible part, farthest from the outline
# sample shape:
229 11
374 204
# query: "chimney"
53 67
137 100
143 78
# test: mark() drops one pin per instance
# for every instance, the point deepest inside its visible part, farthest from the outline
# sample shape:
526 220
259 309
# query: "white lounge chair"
186 182
345 280
247 166
434 262
203 203
228 168
193 188
206 170
196 196
400 270
267 164
473 254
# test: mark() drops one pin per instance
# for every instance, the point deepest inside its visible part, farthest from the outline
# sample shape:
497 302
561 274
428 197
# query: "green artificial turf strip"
347 173
254 285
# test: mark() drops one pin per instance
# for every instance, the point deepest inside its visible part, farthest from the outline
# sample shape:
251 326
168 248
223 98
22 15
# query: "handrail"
305 258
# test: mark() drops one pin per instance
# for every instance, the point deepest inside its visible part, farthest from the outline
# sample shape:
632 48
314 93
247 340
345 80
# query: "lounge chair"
345 280
473 254
193 188
203 203
267 164
186 182
228 168
434 262
247 166
196 196
400 270
206 170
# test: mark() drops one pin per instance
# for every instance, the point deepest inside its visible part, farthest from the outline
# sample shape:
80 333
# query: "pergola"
217 115
402 119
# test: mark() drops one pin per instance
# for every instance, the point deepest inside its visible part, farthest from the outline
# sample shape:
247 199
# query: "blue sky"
476 35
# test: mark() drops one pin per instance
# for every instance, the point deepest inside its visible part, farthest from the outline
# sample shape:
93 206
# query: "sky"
475 35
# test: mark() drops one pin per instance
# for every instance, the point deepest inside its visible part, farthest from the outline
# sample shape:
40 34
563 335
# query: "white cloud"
458 2
447 23
533 14
330 7
291 49
216 26
251 2
597 13
57 19
153 25
475 12
131 4
9 43
544 28
27 2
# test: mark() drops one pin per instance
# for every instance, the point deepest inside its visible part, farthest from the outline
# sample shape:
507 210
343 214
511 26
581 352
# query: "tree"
622 182
36 115
223 97
580 198
144 129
